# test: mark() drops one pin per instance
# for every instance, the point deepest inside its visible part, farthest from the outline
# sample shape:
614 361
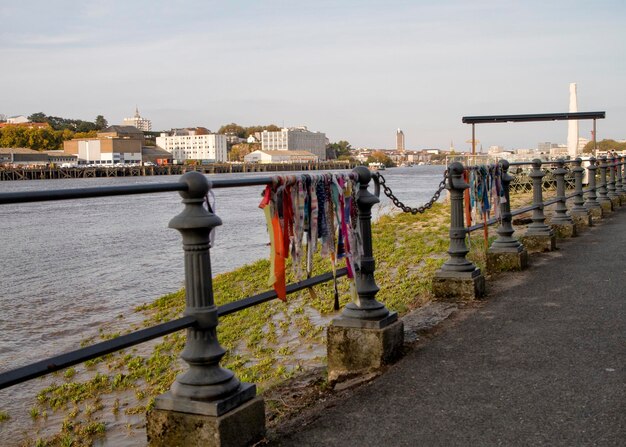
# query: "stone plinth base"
360 350
537 243
596 212
244 425
458 286
501 261
622 198
564 230
607 206
615 202
582 220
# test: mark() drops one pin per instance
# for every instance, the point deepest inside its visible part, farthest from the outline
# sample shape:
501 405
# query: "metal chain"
422 209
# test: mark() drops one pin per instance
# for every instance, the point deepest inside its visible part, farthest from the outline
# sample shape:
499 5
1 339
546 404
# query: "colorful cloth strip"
311 208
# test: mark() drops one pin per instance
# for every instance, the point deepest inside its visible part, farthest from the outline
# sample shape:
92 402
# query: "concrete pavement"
540 362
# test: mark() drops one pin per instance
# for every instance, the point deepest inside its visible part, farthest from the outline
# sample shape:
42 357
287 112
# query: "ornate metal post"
539 236
621 180
617 168
612 194
580 214
623 172
506 252
560 211
458 277
605 201
366 307
366 335
591 201
206 391
561 222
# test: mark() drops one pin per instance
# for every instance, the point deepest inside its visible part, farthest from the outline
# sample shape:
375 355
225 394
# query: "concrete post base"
538 243
458 286
622 198
607 207
243 425
615 202
502 261
356 349
564 230
596 213
582 220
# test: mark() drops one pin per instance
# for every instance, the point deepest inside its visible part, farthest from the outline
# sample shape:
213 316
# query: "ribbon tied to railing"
316 208
484 195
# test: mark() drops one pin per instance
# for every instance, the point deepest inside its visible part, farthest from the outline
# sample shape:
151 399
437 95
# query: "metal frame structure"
532 117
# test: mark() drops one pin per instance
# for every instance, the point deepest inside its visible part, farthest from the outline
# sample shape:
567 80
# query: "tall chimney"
572 128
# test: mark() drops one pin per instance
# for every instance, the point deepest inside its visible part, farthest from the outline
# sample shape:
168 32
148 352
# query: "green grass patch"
264 344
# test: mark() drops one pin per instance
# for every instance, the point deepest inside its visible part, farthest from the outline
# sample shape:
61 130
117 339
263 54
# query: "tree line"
605 146
51 137
75 125
245 132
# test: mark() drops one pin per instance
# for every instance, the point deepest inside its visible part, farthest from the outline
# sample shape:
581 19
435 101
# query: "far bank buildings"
290 144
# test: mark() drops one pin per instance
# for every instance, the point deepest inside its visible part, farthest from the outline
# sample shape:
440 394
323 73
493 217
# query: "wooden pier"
47 173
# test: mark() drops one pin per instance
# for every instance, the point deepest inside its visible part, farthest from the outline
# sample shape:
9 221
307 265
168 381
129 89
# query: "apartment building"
196 143
295 139
139 122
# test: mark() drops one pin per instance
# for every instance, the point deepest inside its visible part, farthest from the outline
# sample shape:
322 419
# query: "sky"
354 69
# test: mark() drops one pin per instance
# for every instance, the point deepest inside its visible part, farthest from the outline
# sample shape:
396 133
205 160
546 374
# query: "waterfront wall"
47 173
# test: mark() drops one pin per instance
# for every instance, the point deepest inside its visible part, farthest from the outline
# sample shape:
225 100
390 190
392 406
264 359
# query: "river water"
69 267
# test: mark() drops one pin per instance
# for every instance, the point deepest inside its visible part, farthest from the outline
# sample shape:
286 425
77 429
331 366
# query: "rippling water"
68 267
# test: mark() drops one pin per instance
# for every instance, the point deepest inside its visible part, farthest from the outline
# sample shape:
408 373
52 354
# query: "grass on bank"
264 344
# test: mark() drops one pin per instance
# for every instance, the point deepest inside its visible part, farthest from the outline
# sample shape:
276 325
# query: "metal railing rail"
56 363
59 362
491 221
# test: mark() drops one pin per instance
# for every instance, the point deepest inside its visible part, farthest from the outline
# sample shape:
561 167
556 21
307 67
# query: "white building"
114 145
194 144
261 156
18 119
295 139
140 123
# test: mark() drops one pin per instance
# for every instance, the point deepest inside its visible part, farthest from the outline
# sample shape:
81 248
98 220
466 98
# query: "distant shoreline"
53 173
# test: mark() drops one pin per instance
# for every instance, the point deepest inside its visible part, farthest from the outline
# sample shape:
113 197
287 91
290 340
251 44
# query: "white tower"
572 128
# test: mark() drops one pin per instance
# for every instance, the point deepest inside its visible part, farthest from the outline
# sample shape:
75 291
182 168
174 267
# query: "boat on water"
376 166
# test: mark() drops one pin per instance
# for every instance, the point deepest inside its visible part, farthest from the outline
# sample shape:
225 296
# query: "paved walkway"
542 362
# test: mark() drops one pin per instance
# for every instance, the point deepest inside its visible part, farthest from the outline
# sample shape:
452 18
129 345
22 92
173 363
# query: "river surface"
69 267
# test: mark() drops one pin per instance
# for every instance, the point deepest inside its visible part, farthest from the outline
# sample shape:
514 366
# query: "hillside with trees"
51 137
245 132
339 150
75 125
605 146
238 151
380 157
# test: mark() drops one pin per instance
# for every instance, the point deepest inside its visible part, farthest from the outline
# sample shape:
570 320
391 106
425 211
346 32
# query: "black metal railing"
56 363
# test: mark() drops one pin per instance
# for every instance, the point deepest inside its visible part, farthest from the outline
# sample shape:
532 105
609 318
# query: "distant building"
196 143
17 119
558 149
145 125
113 145
295 139
156 155
400 140
282 156
23 156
